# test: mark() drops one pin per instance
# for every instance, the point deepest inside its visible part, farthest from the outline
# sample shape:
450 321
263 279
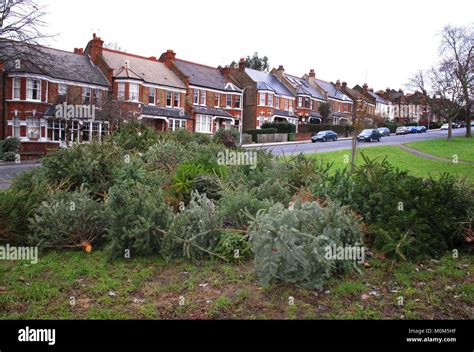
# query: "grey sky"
385 41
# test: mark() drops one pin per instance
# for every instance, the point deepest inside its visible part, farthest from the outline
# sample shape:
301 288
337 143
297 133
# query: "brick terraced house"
143 87
267 99
213 100
35 80
363 104
341 104
308 97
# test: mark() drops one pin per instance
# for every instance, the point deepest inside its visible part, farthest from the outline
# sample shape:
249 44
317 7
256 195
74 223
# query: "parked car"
324 136
402 130
384 131
412 129
369 135
445 127
420 129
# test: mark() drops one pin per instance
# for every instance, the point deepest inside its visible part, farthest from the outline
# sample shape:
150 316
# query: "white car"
445 127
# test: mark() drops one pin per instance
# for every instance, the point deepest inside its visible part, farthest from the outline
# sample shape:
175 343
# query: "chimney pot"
242 64
280 68
312 73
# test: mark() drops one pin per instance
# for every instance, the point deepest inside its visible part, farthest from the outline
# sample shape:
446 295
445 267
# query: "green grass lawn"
415 165
461 146
76 285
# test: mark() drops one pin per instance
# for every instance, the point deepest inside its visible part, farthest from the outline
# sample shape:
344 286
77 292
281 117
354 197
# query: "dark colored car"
420 129
384 131
324 136
369 136
412 129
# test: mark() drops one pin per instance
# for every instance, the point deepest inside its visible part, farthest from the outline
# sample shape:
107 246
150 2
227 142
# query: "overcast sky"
378 42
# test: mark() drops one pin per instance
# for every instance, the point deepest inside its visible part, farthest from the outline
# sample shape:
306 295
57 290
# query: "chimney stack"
338 85
79 51
242 64
280 73
96 46
312 73
365 88
344 85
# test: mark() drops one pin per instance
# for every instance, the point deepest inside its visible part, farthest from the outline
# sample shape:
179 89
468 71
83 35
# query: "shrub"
255 133
10 145
194 230
134 136
184 137
68 220
290 245
236 204
233 246
18 204
9 156
408 217
166 155
230 138
139 218
280 127
90 165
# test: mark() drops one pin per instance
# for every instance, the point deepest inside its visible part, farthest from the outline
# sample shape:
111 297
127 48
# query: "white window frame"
169 95
195 97
16 87
16 126
238 98
262 99
86 93
33 124
132 97
218 96
277 103
30 89
287 105
62 89
202 97
152 90
178 100
203 124
176 124
300 102
121 91
228 101
270 100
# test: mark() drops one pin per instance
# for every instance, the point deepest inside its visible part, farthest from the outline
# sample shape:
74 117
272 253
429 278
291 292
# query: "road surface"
311 148
8 171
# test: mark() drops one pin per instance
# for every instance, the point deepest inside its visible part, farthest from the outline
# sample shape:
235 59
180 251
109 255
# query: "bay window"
277 103
237 102
300 102
203 124
33 89
134 92
262 99
121 91
270 100
33 127
175 124
228 102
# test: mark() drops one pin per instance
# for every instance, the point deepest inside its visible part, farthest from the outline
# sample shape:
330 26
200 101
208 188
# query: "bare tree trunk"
468 121
450 128
353 154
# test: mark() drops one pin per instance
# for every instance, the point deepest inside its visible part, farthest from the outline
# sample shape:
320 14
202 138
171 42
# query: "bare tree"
420 81
457 51
448 97
21 24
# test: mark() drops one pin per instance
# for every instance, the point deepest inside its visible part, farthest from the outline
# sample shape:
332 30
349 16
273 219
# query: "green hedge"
256 132
313 128
280 127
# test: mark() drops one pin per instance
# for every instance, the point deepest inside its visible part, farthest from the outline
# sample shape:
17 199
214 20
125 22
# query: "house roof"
54 63
285 113
331 90
166 112
265 79
211 111
378 98
205 76
145 69
303 87
356 95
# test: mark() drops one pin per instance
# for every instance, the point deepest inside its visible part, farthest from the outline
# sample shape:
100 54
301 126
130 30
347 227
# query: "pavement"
306 147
